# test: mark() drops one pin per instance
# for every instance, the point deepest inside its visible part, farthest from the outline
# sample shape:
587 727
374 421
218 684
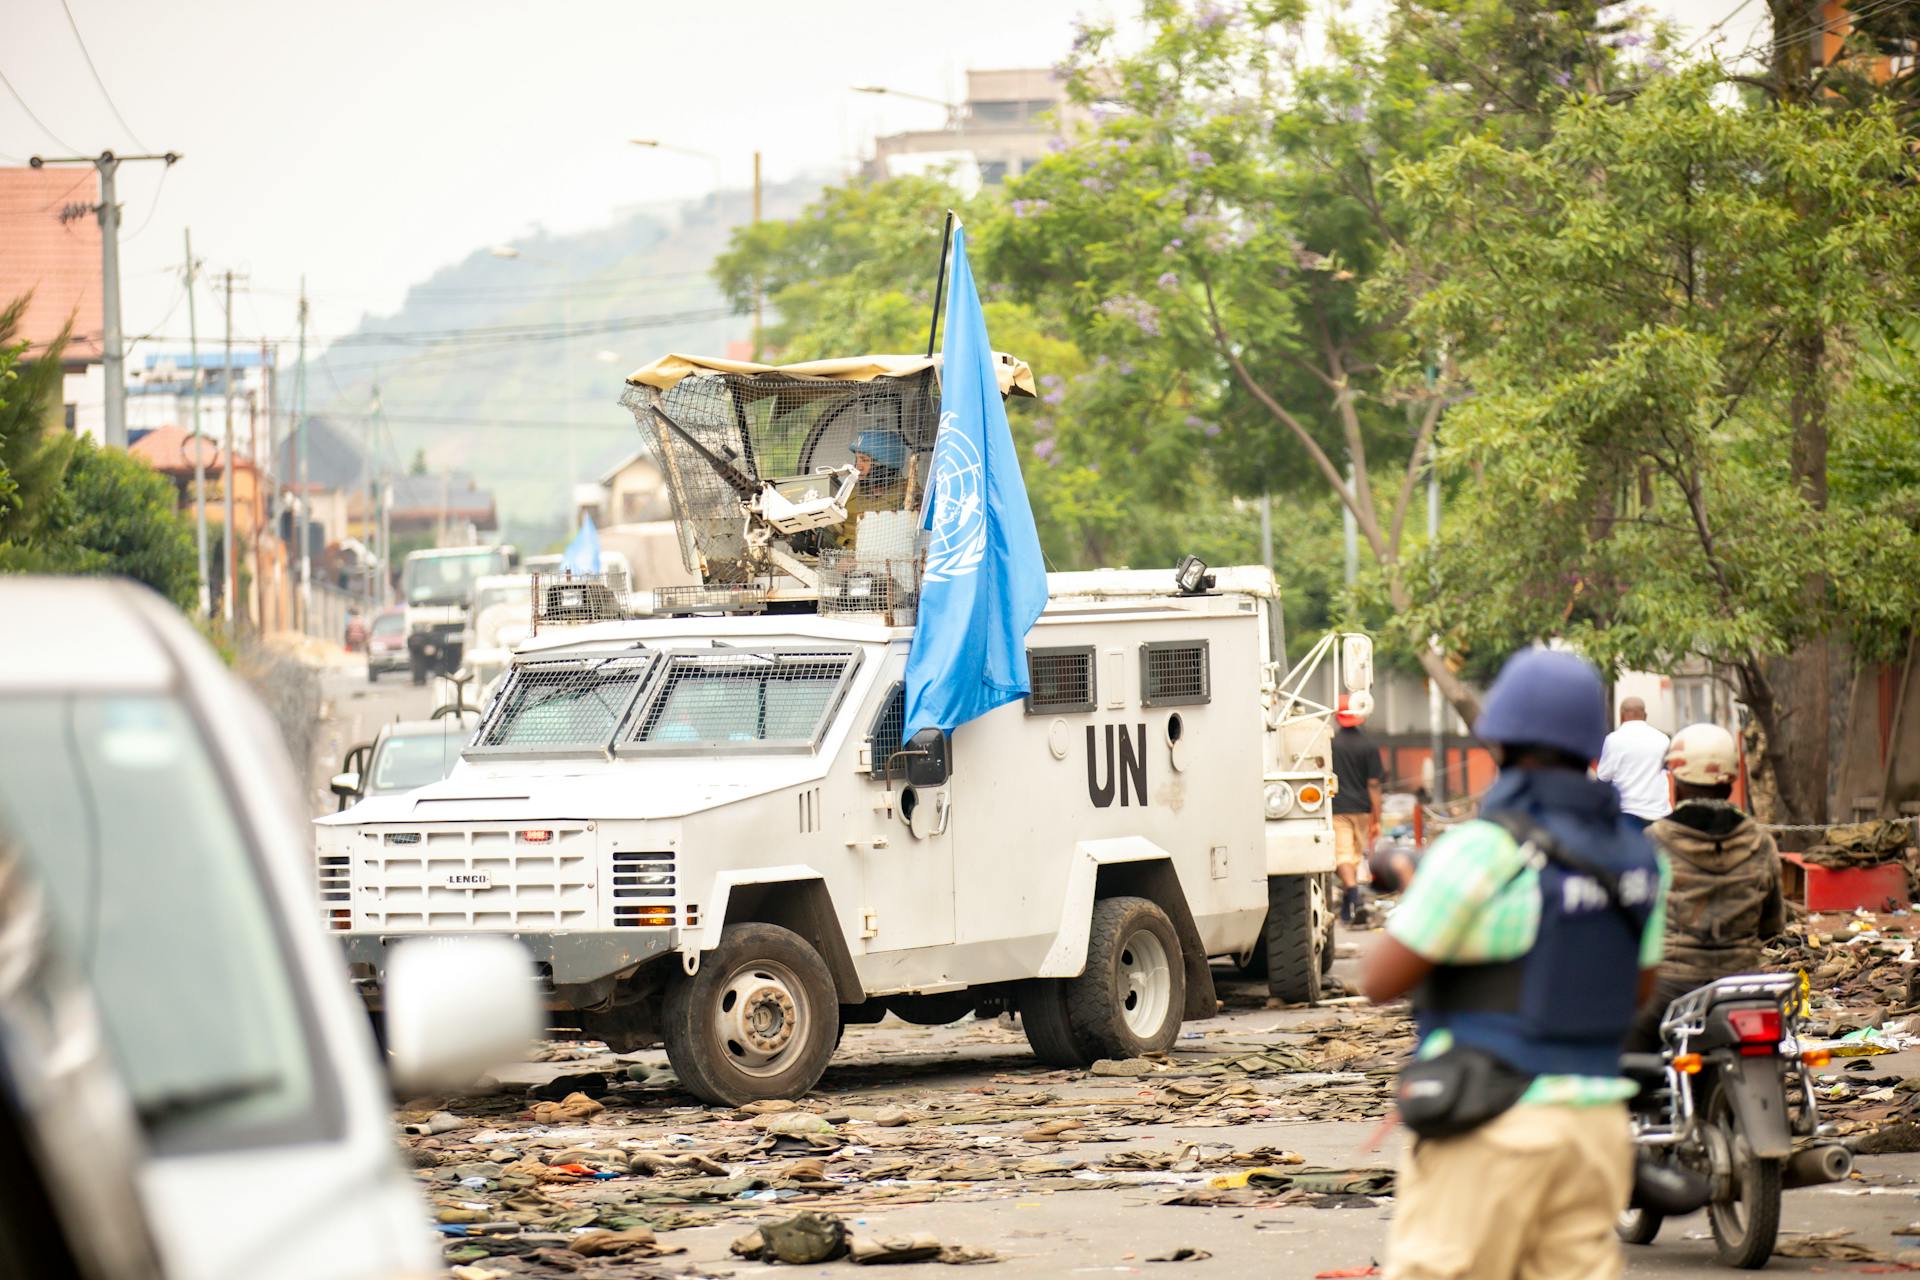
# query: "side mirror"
1356 661
346 785
456 1008
926 762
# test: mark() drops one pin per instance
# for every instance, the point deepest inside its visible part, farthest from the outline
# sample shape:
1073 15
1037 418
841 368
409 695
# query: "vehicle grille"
644 888
336 895
418 883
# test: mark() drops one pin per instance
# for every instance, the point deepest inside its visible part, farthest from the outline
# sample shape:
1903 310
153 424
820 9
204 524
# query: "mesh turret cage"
720 436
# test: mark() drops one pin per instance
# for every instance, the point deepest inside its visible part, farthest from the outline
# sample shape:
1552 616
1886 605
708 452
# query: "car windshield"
448 577
484 598
390 624
565 705
409 760
743 697
118 806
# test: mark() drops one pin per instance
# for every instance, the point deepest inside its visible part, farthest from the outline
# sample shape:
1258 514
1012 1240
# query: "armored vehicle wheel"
1296 937
1130 998
760 1019
1043 1016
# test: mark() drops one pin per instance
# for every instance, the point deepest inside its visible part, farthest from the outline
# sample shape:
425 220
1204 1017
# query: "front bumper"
564 959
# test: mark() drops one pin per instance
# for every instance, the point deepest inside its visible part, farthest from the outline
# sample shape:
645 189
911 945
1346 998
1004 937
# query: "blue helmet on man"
885 447
1549 698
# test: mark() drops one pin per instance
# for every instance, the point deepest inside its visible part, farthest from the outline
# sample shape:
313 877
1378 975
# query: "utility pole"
230 543
759 297
198 439
373 516
304 528
113 353
259 420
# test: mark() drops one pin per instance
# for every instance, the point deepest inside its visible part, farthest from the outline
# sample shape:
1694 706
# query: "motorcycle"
1713 1122
356 633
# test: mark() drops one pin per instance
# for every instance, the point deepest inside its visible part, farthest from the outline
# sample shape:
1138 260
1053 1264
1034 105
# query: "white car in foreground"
146 789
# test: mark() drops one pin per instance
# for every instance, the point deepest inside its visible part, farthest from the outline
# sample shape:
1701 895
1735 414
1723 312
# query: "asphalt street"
1098 1225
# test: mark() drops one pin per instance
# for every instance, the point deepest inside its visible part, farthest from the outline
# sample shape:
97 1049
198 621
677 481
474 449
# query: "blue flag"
583 553
985 582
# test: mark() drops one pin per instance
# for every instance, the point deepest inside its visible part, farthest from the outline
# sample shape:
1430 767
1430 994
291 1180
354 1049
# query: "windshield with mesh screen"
726 698
563 706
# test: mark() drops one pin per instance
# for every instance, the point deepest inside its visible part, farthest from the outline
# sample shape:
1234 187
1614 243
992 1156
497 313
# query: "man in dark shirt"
1356 805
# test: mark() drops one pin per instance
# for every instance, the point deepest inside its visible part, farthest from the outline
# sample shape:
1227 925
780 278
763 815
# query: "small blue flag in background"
583 553
985 582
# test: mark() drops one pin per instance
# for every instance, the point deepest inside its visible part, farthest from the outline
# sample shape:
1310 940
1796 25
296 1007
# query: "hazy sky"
367 142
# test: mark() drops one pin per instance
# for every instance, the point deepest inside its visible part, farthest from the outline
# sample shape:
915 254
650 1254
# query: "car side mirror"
926 759
456 1008
346 786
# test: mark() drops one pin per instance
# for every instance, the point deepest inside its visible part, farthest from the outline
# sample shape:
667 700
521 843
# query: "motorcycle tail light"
1758 1030
1688 1064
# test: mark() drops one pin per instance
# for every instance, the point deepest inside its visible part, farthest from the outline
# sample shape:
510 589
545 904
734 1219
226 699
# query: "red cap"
1349 719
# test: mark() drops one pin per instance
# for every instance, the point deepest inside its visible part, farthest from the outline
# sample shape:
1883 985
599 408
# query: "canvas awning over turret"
1014 375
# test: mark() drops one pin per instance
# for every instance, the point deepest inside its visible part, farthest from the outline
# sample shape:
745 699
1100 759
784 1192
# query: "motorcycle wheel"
1746 1224
1638 1226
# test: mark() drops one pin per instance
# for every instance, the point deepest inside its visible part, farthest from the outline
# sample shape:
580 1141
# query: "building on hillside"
448 507
50 248
1000 131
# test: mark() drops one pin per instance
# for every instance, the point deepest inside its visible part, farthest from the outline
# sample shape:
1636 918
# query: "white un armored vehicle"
695 808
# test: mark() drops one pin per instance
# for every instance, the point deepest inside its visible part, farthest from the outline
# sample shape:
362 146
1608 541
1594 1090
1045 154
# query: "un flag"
985 582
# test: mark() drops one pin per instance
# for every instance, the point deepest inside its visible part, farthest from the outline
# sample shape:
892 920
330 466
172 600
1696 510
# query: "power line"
33 117
1699 39
151 209
509 335
98 82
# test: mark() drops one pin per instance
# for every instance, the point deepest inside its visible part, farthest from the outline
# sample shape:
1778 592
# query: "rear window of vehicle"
775 699
389 624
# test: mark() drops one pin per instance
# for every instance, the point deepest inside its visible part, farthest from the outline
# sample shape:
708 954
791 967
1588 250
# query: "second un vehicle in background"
706 827
438 586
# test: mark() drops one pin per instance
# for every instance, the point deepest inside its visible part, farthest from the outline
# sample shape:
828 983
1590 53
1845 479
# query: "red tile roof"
58 261
165 450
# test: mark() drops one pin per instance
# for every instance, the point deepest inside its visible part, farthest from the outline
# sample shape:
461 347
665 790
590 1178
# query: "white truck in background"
700 817
437 587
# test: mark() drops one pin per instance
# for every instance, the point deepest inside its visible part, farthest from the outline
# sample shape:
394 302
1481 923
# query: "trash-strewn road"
1258 1141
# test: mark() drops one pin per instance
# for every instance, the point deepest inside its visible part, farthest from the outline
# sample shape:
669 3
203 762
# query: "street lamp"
953 109
655 144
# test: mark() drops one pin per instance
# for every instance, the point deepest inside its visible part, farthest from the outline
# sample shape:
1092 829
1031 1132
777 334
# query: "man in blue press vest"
1529 937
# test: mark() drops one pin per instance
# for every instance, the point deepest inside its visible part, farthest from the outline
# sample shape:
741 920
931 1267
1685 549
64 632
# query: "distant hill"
511 368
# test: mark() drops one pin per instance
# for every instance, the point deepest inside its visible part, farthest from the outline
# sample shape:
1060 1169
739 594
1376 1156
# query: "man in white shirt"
1634 760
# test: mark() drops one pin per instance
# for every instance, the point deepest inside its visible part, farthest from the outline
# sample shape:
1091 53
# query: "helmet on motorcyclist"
1703 755
1546 698
886 448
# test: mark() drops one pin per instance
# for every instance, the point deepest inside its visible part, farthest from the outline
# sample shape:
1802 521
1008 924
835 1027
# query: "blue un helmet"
1549 697
885 447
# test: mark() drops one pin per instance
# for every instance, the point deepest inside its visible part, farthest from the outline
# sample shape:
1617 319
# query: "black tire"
1132 995
1638 1226
1295 944
1043 1016
789 995
1746 1227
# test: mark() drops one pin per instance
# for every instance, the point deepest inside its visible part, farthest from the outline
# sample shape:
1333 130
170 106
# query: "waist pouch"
1456 1092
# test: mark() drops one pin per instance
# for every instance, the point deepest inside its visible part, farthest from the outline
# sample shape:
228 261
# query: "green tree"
126 521
33 455
1222 223
1632 304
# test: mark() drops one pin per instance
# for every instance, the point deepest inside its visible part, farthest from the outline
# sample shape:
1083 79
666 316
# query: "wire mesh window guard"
562 706
883 735
1061 679
585 597
719 437
743 700
1174 672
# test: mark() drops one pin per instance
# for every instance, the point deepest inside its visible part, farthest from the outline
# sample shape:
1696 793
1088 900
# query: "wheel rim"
1729 1214
1146 984
761 1018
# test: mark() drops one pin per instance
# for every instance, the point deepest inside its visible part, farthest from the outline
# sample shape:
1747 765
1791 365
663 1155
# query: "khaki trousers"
1531 1195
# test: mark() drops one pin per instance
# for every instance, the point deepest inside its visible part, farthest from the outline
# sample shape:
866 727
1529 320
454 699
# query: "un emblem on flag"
957 525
